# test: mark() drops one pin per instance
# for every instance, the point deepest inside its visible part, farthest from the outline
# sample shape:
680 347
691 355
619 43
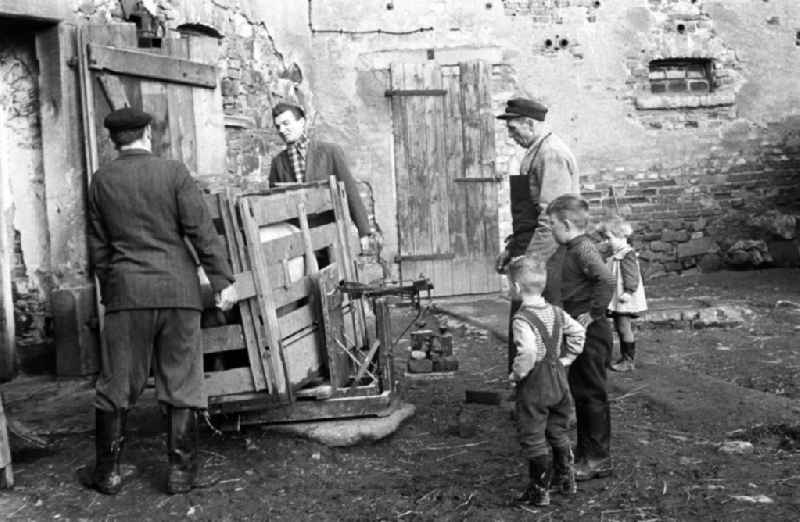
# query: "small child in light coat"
629 299
542 392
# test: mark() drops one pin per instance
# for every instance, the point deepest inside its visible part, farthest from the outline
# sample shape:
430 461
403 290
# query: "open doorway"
25 247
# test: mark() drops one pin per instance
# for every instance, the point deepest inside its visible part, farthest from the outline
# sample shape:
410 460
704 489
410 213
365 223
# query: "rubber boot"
564 471
181 449
538 491
109 429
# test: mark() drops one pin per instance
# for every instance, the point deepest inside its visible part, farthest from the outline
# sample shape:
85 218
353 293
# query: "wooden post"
7 344
6 473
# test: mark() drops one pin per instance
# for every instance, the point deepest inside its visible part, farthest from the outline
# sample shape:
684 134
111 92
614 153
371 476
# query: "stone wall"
22 159
690 169
253 73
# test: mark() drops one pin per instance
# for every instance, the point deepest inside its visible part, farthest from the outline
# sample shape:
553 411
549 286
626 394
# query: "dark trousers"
167 338
540 426
587 380
512 349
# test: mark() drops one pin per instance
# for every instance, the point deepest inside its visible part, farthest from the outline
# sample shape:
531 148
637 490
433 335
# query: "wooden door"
444 170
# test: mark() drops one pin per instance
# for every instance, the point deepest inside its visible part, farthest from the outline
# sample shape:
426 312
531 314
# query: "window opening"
682 76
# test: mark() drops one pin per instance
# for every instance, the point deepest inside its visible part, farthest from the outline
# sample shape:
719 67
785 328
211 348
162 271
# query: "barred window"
682 76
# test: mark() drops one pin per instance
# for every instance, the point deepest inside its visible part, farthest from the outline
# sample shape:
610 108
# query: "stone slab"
347 432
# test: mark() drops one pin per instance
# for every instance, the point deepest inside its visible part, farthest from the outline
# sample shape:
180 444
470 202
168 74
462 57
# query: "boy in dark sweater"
579 281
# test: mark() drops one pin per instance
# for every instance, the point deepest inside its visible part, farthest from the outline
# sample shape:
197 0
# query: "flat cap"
519 107
126 119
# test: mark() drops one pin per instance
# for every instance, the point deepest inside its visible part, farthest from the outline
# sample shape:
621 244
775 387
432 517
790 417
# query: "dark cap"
126 119
522 107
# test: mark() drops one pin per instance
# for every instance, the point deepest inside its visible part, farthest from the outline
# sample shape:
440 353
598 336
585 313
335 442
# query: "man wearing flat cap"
304 160
547 170
142 209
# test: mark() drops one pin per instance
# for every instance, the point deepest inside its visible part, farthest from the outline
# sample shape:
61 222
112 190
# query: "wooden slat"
275 208
296 320
114 91
339 408
305 359
252 329
152 66
236 380
223 338
180 104
266 303
416 92
383 327
454 151
210 152
292 246
333 325
154 102
295 291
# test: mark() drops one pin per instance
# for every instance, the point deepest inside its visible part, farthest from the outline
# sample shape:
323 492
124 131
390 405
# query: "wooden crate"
298 348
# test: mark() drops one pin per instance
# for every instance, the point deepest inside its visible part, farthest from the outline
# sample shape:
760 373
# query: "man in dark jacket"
141 207
305 160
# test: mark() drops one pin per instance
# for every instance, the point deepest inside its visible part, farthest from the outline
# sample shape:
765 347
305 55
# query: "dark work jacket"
323 160
140 208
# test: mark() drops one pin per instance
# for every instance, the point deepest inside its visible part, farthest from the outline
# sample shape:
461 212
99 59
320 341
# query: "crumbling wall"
690 169
253 72
22 163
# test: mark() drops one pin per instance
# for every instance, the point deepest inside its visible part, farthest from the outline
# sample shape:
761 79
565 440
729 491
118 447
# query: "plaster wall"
701 169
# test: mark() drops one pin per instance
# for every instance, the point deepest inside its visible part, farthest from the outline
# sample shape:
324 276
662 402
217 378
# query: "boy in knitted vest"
542 390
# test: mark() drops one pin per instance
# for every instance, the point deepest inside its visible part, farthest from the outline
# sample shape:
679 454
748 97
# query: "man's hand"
501 263
226 298
624 298
585 319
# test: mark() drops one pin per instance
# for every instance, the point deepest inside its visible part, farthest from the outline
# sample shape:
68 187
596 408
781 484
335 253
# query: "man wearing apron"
547 171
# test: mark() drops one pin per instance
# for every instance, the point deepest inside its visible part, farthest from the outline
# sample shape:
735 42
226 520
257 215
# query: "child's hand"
624 298
585 319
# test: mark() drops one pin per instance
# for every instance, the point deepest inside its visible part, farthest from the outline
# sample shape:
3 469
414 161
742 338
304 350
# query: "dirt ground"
693 387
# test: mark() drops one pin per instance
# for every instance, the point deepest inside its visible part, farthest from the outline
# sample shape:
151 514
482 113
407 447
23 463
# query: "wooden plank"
305 359
223 338
343 222
275 208
7 334
266 303
6 468
263 376
235 380
180 108
296 320
415 92
114 91
383 332
152 66
154 102
338 408
308 243
454 167
491 282
330 306
209 122
292 246
288 294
